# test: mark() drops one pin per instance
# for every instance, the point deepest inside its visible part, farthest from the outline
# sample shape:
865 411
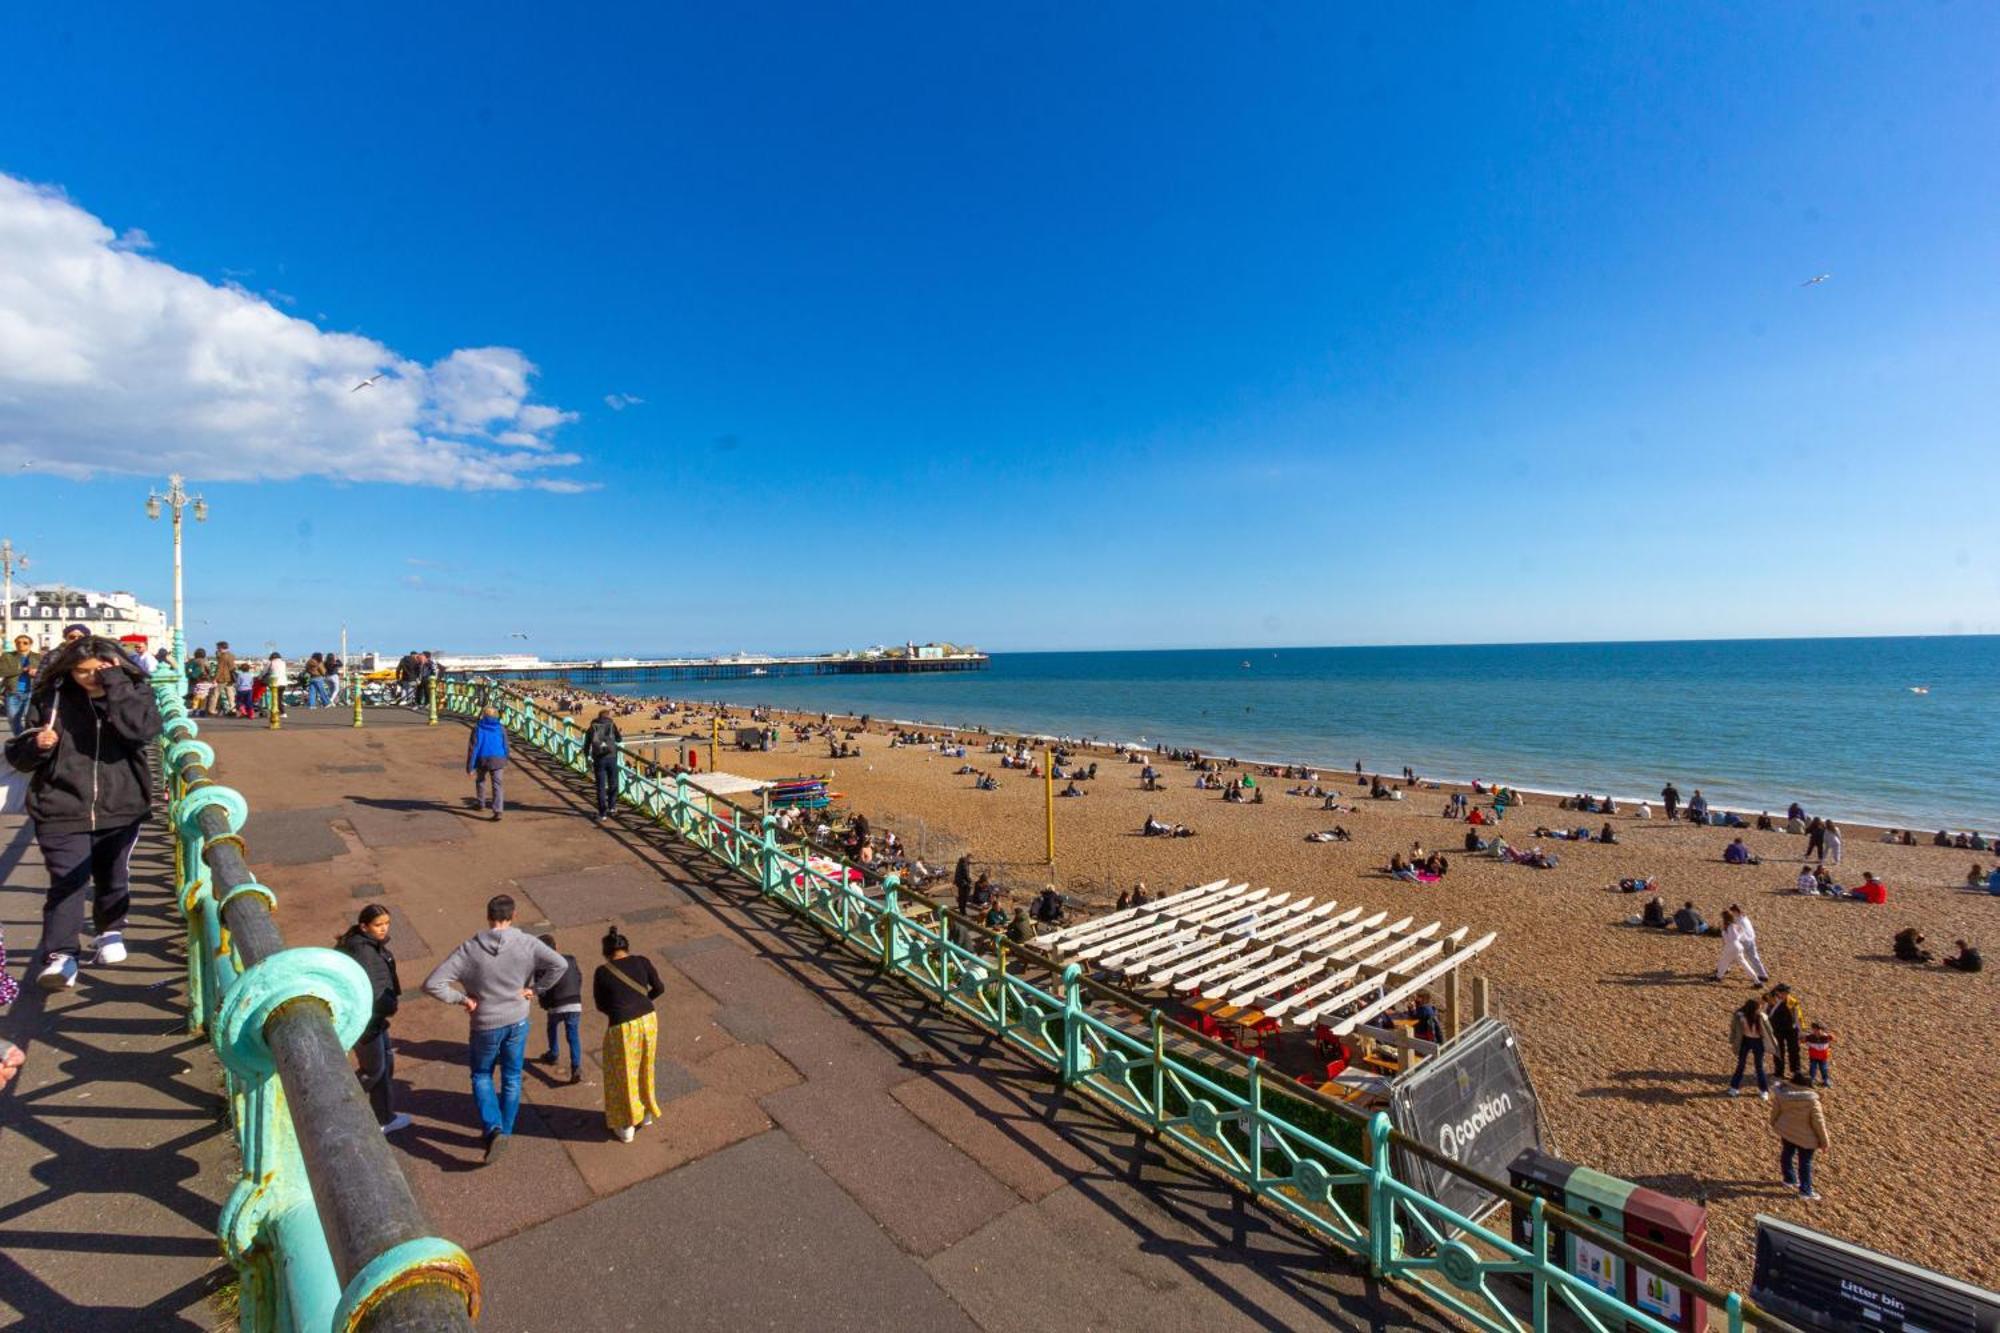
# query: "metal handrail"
322 1228
1090 1049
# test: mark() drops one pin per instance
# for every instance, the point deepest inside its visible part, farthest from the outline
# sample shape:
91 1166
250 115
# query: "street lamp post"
9 560
178 499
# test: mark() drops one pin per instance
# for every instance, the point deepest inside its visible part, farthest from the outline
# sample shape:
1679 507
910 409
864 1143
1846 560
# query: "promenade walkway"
833 1156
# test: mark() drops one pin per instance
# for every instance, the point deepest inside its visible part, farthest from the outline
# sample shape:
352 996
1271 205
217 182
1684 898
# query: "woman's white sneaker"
60 974
111 947
625 1134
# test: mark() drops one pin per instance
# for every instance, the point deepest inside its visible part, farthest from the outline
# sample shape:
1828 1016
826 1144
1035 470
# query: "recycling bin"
1600 1198
1537 1174
1675 1232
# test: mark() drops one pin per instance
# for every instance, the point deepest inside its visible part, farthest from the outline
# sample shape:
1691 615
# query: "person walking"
1787 1026
623 989
1750 1033
17 680
1800 1124
367 943
222 701
88 730
492 976
315 677
1670 797
1739 945
600 747
563 1003
486 760
1815 840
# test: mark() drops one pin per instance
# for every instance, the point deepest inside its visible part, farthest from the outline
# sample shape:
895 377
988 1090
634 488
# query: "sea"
1897 731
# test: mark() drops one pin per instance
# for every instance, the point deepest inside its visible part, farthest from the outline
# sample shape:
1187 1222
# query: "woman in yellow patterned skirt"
624 989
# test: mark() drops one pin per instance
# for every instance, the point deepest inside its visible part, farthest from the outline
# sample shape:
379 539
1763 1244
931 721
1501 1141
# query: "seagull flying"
1816 281
380 373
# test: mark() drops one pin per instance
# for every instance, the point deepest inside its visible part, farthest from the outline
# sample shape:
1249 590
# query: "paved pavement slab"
754 1236
599 893
294 837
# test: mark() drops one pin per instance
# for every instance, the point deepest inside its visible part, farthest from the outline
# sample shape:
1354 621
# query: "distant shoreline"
1446 785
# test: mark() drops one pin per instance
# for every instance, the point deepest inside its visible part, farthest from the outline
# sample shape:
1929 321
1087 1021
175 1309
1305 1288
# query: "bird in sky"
1816 281
517 635
380 373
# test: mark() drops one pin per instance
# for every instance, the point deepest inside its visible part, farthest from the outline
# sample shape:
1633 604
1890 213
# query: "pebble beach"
1624 1030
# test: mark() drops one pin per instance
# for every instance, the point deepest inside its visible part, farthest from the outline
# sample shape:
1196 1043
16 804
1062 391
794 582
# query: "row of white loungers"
1291 958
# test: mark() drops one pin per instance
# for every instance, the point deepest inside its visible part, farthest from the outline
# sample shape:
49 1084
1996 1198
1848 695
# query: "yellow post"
354 682
431 685
714 734
1049 799
273 702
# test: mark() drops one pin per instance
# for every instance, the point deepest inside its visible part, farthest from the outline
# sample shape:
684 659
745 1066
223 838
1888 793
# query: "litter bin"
1600 1198
1536 1173
1676 1232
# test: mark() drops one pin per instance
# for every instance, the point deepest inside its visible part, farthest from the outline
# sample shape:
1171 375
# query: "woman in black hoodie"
89 725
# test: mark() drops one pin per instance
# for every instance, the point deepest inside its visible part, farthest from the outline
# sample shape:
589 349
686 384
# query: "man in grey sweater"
494 975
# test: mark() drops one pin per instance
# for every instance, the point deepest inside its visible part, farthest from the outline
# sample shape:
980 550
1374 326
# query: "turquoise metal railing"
1353 1201
321 1228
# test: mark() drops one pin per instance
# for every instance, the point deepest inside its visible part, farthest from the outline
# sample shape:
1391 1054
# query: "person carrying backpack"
486 760
600 747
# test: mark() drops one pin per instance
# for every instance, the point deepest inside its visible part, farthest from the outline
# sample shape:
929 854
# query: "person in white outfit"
1739 945
1832 842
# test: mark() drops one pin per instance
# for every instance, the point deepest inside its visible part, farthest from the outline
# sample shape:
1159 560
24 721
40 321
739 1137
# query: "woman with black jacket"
623 990
367 943
87 730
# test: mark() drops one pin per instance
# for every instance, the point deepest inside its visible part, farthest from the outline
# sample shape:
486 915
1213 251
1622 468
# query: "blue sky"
1037 327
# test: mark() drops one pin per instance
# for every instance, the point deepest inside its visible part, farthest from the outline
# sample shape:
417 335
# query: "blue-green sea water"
1832 723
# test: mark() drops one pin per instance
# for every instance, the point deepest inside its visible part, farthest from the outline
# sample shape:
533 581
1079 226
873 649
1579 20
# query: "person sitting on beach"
1807 882
1435 865
1689 922
1993 882
1071 790
1335 834
1891 836
1645 810
1979 842
1475 843
1909 946
1764 824
1967 959
987 782
1975 878
996 916
1738 854
1401 869
1697 808
1139 895
1476 817
1654 913
1871 890
1047 907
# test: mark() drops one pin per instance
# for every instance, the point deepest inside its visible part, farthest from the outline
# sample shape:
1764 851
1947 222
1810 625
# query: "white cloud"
111 361
618 402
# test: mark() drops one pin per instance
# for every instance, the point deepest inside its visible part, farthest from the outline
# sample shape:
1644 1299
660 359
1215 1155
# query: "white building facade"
41 613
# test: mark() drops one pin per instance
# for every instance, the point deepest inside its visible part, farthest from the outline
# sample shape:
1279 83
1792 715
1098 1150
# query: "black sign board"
1472 1102
1816 1281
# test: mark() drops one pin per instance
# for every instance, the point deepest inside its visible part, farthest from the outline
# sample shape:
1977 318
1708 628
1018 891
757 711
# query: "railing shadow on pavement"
1214 1107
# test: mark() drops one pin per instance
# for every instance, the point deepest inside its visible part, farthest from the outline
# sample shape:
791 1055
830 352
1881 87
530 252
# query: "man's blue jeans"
605 770
17 708
572 1024
501 1048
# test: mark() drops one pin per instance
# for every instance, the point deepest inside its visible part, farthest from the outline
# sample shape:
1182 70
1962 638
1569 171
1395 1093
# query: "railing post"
274 704
1072 1046
892 924
431 699
1159 1067
1381 1207
1538 1228
354 683
1256 1107
767 880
